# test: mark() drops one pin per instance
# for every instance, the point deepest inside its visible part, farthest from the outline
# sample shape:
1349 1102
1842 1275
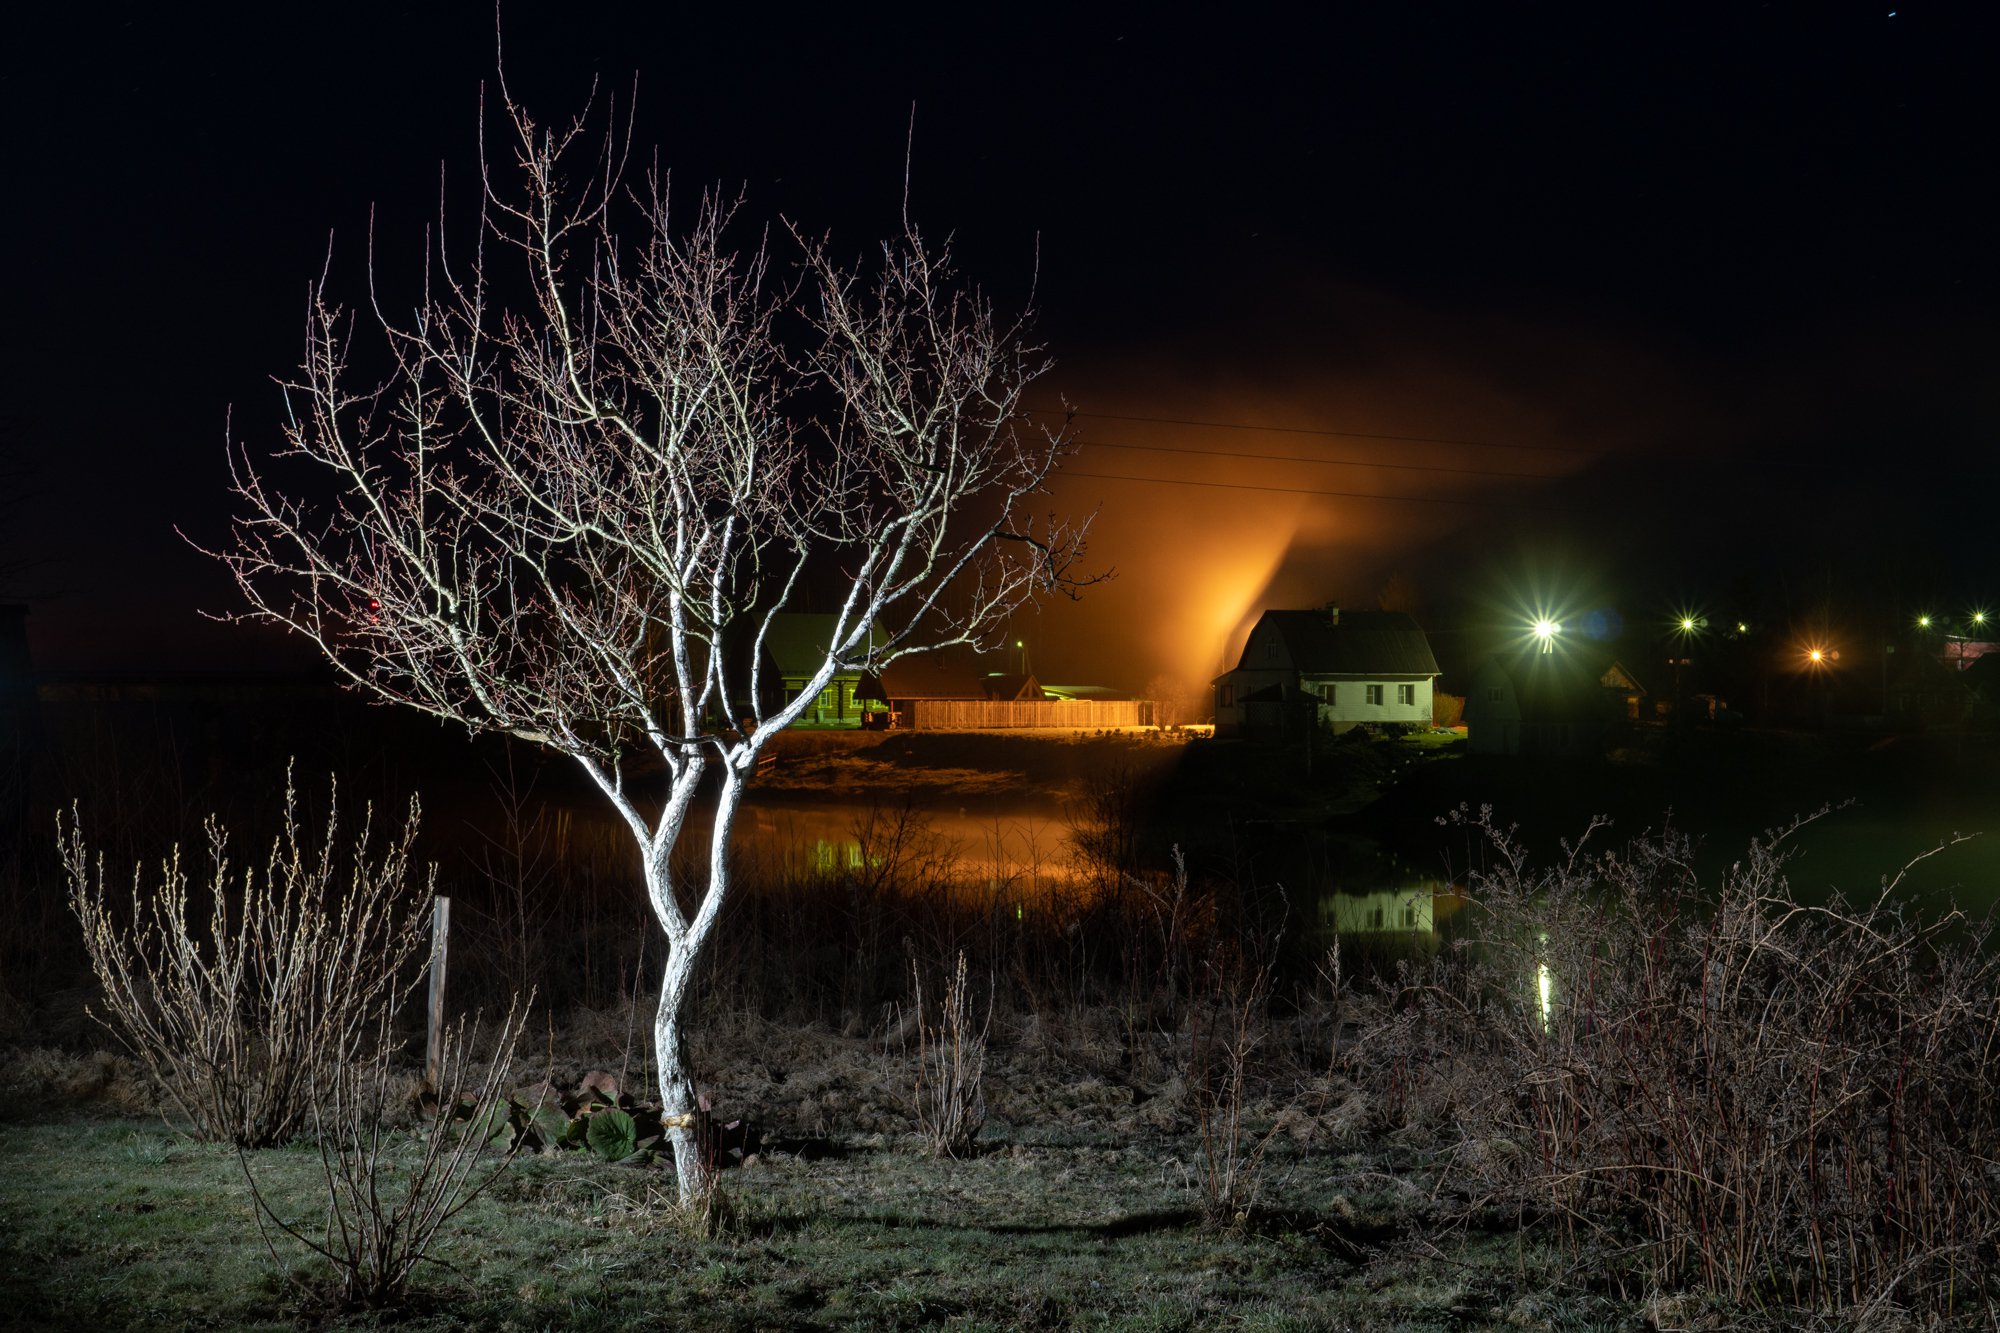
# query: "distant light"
1546 630
1817 655
1923 622
1742 628
1979 617
1687 623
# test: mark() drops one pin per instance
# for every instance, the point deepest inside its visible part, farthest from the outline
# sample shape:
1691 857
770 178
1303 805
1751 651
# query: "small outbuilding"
1549 704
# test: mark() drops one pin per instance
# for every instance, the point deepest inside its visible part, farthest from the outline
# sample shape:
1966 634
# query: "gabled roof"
1083 692
1617 676
1562 686
1357 643
931 676
796 642
1013 686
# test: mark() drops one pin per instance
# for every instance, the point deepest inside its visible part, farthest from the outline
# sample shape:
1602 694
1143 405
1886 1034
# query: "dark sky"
1722 278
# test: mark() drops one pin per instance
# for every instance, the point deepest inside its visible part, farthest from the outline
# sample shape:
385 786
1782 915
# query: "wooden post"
434 1026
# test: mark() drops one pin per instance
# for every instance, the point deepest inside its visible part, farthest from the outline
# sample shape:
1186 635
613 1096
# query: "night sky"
1607 305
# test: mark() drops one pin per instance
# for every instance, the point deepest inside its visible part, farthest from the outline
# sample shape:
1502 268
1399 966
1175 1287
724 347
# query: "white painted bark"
573 521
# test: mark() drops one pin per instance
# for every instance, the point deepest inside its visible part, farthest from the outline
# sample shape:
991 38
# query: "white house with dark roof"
1327 668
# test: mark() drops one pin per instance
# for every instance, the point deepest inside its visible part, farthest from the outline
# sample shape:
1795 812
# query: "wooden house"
1327 669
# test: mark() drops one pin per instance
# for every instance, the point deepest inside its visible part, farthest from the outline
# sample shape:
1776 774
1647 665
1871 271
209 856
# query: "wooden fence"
982 714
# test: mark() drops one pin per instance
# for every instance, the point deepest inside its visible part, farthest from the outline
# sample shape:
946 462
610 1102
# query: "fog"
1489 415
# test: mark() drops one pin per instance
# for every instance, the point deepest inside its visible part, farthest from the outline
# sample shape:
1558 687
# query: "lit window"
1332 693
1374 694
1406 694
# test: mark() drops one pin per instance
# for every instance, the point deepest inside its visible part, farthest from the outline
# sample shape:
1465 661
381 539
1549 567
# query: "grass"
116 1223
1082 1206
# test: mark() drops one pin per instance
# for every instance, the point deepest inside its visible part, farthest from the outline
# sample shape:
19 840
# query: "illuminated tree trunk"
680 1102
575 520
681 1110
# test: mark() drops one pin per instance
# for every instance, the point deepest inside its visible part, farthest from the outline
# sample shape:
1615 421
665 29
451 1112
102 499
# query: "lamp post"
1688 626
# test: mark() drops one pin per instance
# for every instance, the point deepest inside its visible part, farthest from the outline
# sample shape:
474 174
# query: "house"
794 649
1561 703
1013 686
1327 668
927 677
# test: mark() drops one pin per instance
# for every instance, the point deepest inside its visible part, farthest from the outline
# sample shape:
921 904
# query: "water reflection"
1032 855
1027 851
1405 911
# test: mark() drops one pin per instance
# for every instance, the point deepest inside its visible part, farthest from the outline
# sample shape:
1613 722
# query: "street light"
1546 630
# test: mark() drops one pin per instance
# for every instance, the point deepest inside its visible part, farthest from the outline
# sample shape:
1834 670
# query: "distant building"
1086 693
1551 704
1327 668
794 649
1961 651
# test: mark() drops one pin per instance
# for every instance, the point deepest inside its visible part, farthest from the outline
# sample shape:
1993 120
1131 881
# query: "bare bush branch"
388 1200
949 1102
604 454
1786 1099
236 1020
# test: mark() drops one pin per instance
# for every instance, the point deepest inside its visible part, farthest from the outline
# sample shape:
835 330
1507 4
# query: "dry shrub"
1784 1101
36 1079
948 1099
238 1021
1226 1029
388 1200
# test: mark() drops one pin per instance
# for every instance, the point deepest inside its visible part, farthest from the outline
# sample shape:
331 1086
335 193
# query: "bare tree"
571 517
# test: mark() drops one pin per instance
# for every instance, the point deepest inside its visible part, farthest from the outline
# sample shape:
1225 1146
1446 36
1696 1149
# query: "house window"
1332 693
1226 695
1374 694
1493 694
1406 695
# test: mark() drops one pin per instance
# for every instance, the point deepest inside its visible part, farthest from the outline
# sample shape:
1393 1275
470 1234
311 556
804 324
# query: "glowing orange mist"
1221 592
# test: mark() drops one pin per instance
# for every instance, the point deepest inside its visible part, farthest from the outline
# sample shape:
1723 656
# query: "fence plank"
434 1026
984 714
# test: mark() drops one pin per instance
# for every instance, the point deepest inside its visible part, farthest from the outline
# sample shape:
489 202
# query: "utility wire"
1311 430
1506 503
1322 462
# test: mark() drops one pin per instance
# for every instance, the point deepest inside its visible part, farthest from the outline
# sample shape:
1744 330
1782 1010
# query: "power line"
1301 490
1312 430
1322 462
